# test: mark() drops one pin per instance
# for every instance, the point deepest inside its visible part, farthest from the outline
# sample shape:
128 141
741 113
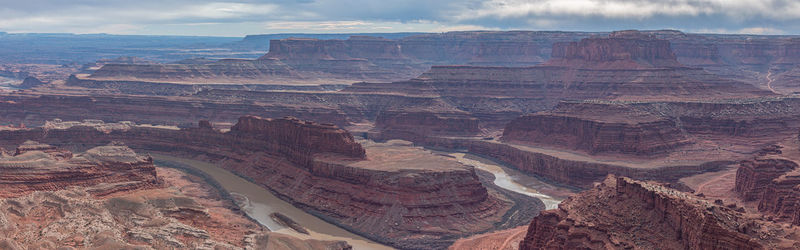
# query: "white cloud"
240 17
748 31
634 9
363 26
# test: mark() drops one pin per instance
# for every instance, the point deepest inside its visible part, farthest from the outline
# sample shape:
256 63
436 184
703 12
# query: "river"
510 179
259 203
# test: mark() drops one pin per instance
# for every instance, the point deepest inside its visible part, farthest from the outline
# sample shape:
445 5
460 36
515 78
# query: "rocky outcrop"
621 213
40 167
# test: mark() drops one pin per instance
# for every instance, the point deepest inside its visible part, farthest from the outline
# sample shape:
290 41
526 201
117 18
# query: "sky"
239 18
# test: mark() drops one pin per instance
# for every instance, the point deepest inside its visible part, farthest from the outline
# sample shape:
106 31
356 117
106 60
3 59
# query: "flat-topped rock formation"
40 167
621 213
620 50
313 50
638 135
406 197
416 124
300 135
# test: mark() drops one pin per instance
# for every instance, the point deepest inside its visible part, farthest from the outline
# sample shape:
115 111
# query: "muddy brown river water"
259 202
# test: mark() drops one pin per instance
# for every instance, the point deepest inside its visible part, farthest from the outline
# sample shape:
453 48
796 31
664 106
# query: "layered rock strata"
357 58
642 136
575 172
404 198
772 181
415 125
621 213
652 128
622 49
40 167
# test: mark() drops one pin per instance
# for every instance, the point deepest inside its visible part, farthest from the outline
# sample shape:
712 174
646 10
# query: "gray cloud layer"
236 18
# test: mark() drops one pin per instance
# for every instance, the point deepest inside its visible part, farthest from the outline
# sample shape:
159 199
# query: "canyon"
320 168
395 139
111 197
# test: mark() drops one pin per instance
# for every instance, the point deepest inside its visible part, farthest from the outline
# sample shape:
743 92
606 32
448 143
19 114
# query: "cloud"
637 9
237 18
749 31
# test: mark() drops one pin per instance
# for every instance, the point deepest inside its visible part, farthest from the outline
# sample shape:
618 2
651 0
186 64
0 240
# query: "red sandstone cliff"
621 213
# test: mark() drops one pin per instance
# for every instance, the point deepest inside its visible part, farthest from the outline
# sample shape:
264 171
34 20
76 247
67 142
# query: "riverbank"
260 203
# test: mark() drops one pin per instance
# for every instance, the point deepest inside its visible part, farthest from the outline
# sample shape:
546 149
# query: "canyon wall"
620 48
623 213
772 182
749 58
416 125
651 128
754 176
35 109
593 136
300 135
320 169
